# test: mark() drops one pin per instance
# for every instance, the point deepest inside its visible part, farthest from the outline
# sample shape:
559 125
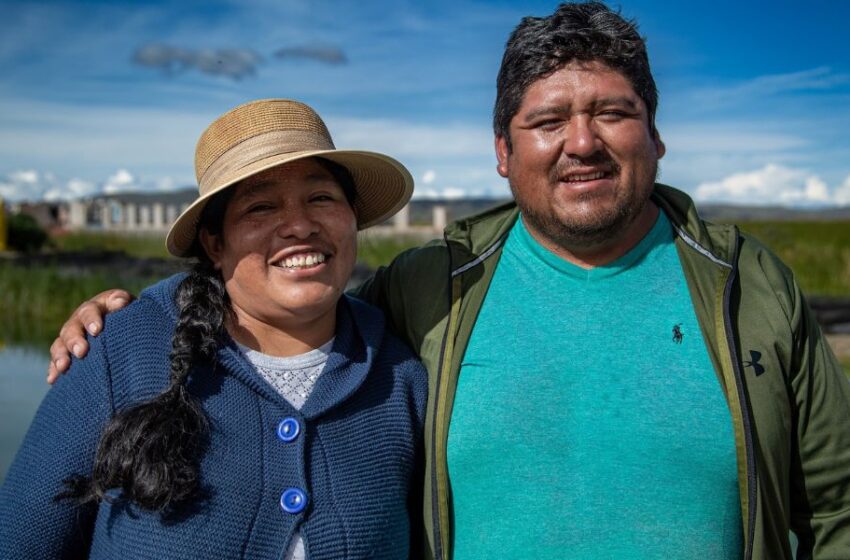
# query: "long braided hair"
151 450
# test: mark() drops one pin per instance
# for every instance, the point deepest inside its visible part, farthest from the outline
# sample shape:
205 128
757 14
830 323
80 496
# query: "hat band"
257 148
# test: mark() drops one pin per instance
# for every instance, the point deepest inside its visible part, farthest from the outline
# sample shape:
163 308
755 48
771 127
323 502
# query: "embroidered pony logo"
678 335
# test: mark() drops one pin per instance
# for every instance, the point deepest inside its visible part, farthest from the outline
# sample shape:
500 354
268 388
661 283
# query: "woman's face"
287 246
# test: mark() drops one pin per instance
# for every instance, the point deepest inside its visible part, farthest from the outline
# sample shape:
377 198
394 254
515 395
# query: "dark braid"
151 451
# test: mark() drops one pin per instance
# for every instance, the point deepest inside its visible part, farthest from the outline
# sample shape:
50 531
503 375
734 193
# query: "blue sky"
110 96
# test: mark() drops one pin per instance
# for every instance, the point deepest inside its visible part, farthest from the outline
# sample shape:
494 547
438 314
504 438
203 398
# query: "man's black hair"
582 32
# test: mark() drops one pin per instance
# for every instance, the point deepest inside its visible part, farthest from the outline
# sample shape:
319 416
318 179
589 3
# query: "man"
610 376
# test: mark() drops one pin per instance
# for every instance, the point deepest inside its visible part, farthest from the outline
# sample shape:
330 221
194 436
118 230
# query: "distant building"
155 212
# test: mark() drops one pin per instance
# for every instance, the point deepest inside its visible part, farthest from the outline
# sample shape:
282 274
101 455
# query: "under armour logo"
754 362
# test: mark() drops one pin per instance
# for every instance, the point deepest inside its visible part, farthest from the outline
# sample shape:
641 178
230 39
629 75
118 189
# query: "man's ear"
212 246
660 148
502 153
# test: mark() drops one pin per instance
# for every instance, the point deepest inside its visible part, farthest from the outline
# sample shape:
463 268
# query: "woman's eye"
260 207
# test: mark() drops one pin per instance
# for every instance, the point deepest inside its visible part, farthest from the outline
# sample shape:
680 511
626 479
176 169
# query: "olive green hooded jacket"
789 398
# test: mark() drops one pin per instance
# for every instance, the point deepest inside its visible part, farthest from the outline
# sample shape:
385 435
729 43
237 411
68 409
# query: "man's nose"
580 139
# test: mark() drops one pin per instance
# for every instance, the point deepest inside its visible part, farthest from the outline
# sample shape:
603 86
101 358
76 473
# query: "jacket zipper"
435 494
752 478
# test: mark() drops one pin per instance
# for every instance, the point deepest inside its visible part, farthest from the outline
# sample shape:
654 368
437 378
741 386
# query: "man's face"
583 158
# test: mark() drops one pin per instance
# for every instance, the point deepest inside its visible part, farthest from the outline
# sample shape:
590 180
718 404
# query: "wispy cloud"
821 78
403 138
320 53
231 63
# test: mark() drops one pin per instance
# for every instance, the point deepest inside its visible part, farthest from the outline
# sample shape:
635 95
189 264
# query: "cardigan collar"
359 332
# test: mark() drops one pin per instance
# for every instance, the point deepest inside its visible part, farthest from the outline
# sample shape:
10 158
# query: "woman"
248 409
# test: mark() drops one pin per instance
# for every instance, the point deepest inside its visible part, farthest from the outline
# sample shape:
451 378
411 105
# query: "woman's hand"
88 317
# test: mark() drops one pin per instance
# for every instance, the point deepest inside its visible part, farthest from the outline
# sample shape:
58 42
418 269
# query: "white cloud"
30 185
428 177
28 176
121 181
842 193
75 188
27 185
773 185
448 193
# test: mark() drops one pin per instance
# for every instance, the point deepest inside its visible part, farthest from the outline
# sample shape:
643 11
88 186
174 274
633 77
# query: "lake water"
22 386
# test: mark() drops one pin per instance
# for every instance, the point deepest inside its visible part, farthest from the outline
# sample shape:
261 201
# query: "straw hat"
266 133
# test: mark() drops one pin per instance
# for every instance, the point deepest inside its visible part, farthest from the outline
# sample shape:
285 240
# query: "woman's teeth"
303 260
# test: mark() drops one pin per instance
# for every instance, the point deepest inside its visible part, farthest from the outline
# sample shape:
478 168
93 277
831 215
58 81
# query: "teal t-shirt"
588 420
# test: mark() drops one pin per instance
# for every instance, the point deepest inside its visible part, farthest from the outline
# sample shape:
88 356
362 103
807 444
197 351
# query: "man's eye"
548 124
612 115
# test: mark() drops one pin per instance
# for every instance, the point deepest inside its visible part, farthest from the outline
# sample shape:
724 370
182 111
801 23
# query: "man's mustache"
598 160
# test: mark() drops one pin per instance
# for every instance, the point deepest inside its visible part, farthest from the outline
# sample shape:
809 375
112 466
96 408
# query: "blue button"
293 500
288 429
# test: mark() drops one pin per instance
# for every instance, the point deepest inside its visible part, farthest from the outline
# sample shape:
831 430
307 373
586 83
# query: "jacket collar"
715 242
476 238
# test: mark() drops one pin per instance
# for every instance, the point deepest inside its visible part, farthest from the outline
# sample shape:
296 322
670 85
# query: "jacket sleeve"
386 289
820 462
61 442
377 288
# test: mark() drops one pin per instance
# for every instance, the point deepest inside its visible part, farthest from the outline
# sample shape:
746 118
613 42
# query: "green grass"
375 251
817 252
36 301
138 245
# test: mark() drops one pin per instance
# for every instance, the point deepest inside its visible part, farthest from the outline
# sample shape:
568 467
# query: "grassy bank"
139 245
372 250
817 252
36 301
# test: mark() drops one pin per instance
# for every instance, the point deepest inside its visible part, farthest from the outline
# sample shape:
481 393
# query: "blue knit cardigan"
357 457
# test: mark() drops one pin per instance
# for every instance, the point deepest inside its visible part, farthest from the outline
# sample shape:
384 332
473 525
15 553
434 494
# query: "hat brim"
383 187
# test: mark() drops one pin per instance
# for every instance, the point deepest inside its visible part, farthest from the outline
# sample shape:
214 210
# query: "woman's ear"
212 246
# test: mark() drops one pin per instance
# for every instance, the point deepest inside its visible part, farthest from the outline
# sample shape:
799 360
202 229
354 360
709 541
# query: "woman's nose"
296 222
